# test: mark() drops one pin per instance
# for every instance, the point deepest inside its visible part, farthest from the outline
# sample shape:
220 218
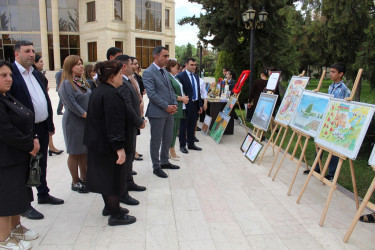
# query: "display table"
214 107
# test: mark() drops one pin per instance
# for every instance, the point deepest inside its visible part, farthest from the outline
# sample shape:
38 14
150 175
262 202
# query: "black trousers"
42 131
188 124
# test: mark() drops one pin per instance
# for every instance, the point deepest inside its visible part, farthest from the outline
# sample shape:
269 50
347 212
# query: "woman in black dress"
105 141
17 142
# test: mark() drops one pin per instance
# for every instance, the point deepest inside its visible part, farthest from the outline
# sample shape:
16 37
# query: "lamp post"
199 47
248 17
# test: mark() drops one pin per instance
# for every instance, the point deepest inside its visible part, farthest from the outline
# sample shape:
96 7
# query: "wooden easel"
239 106
300 136
365 203
321 175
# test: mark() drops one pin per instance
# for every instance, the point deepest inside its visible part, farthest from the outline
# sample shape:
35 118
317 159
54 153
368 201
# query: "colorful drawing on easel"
344 126
229 106
291 99
219 126
371 161
246 143
263 111
310 112
206 124
253 151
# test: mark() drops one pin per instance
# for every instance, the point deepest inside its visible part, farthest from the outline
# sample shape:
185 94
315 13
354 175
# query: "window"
68 15
167 46
91 16
118 10
119 45
166 18
92 53
144 49
148 15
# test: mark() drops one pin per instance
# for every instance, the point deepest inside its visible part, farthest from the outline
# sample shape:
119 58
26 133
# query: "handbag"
34 171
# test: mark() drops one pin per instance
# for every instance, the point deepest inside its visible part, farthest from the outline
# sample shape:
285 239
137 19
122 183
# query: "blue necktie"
193 84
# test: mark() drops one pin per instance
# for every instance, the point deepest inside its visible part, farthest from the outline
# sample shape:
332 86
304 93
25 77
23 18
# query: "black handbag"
34 171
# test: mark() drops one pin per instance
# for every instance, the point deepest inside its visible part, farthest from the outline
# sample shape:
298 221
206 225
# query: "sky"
186 33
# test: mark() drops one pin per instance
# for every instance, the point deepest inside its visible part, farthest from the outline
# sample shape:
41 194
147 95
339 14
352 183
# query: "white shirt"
36 93
195 82
203 88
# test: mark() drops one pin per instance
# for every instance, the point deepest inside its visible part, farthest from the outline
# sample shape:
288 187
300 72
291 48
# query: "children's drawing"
219 126
263 111
229 106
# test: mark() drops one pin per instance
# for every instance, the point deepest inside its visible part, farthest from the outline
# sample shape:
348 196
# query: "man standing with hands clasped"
160 110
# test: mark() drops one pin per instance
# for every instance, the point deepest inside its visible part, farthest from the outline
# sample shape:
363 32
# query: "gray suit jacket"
159 91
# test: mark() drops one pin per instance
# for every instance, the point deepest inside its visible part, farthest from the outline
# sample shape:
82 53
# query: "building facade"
87 28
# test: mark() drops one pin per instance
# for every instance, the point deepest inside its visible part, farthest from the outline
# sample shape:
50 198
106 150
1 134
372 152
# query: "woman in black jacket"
17 142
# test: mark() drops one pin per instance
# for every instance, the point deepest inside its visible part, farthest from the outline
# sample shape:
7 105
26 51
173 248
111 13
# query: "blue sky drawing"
319 106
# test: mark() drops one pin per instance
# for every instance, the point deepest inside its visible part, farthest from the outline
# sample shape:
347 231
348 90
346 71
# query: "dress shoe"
140 155
33 214
121 220
58 152
139 158
160 173
196 139
107 212
50 200
135 187
134 173
194 148
169 166
128 200
79 187
184 150
329 177
199 129
308 171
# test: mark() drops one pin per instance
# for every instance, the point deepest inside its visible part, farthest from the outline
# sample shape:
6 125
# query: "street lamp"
248 17
200 49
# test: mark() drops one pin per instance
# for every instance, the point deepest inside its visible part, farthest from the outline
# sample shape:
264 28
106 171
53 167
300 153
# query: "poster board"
371 160
291 99
246 143
206 124
310 112
344 126
273 80
229 106
253 151
264 110
219 126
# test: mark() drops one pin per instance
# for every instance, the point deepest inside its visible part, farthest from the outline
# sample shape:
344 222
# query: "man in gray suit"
162 105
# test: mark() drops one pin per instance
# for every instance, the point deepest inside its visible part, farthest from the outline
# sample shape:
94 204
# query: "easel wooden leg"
298 165
320 161
279 149
309 176
277 137
354 184
323 172
333 187
268 143
360 211
304 156
243 118
282 160
295 147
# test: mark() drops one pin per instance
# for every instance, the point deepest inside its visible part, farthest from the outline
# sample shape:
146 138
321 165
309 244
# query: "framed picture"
310 112
229 106
344 126
219 126
247 142
253 151
371 161
291 99
273 80
263 111
206 124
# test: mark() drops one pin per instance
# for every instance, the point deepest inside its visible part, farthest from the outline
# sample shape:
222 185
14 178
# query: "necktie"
162 73
193 85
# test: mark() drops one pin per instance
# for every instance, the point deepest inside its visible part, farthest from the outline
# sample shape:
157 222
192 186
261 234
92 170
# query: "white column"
43 32
56 33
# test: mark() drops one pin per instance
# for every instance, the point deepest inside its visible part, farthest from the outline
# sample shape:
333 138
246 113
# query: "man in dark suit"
160 110
29 90
190 82
134 121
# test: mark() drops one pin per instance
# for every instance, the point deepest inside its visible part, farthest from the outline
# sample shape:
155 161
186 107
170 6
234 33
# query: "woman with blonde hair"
74 91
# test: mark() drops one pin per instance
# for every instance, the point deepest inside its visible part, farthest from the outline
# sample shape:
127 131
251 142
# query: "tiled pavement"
217 200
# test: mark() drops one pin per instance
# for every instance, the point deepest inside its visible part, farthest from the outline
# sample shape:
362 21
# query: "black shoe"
196 139
194 148
169 166
58 152
184 150
160 173
134 173
140 155
138 158
329 177
135 187
50 200
199 129
308 171
122 220
33 214
60 113
106 211
128 200
79 187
